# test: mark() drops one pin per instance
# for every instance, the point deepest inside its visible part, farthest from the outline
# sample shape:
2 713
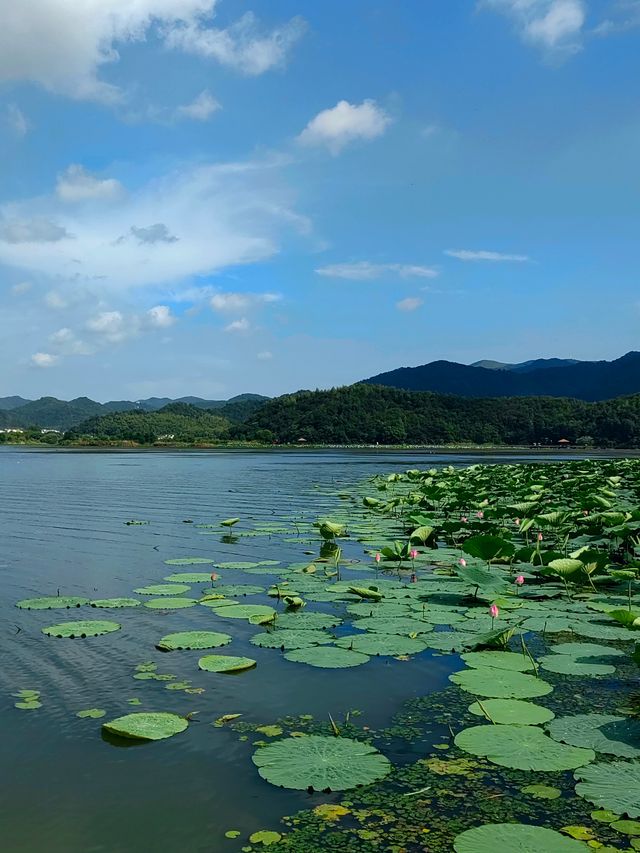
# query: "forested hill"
179 422
585 380
366 414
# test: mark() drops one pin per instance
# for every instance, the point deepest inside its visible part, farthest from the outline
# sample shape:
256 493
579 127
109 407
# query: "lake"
67 789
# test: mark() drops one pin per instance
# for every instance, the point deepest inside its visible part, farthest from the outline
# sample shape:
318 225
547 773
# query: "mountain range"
582 380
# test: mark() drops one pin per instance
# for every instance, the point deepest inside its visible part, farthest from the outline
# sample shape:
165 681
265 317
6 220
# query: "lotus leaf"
265 837
51 602
568 665
614 786
147 726
162 589
93 713
499 660
225 663
78 630
236 589
290 639
381 644
105 603
626 827
189 561
193 640
244 611
488 547
500 683
308 621
514 838
169 603
606 733
401 625
522 748
512 712
586 650
327 657
320 763
542 792
189 577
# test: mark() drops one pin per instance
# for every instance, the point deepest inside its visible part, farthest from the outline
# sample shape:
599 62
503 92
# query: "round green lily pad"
586 650
290 639
147 726
225 663
602 732
604 816
626 827
237 589
512 712
500 683
521 747
189 561
92 713
265 837
189 577
28 705
614 786
115 602
402 625
169 603
327 657
568 665
542 792
514 838
381 644
80 630
307 621
193 640
51 602
320 763
162 589
500 660
243 611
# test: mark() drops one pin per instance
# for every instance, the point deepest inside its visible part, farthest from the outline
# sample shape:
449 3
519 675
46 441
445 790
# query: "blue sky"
215 196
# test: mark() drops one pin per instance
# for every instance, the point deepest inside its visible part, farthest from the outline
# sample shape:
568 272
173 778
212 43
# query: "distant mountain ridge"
582 380
51 413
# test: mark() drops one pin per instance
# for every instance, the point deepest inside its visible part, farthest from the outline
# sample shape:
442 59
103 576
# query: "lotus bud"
493 611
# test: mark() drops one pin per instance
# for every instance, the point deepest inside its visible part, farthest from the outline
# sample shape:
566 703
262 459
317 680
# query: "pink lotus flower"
462 562
214 576
520 580
539 537
464 519
493 611
378 558
480 514
413 554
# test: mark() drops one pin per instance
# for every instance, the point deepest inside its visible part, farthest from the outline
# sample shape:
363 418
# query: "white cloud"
21 287
224 215
200 109
265 355
625 15
66 342
345 123
411 303
243 46
236 303
17 120
62 45
470 255
367 271
160 317
43 359
241 325
112 326
35 230
555 26
76 184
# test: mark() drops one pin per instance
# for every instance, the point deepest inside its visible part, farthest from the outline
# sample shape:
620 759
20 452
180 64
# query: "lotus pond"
319 651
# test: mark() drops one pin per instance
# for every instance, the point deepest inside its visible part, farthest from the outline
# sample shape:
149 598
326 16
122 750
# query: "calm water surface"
64 788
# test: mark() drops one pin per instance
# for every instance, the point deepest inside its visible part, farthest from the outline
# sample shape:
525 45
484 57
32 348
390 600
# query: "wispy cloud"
345 123
200 109
368 271
472 255
43 359
238 303
76 185
241 325
17 120
555 26
411 303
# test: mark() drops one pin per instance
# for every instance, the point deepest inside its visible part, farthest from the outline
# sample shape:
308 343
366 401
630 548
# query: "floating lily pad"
500 660
614 786
193 640
568 665
500 683
265 837
225 663
402 626
626 827
512 838
189 561
237 589
189 577
327 657
320 763
290 639
162 589
381 644
522 748
92 713
307 621
244 611
28 705
169 603
586 650
147 726
51 602
542 792
603 732
513 712
115 602
80 630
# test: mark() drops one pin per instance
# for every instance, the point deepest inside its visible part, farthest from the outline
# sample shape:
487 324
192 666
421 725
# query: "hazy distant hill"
525 366
51 413
584 380
7 403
